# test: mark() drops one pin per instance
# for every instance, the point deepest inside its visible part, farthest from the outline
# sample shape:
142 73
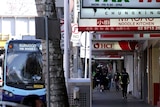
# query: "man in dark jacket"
124 81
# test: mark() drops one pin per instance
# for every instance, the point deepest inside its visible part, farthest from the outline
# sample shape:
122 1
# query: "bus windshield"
24 68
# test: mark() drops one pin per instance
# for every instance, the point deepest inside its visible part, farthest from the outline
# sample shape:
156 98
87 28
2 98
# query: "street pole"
75 48
75 11
66 41
47 61
85 54
47 14
90 66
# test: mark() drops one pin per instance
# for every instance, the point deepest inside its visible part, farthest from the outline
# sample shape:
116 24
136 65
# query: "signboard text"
121 3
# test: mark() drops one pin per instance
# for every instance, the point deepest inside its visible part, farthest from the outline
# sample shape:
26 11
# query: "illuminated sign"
118 13
102 45
121 3
124 24
121 45
105 46
24 47
28 47
38 86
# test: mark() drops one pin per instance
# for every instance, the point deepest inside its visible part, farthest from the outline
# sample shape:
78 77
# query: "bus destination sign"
28 47
147 4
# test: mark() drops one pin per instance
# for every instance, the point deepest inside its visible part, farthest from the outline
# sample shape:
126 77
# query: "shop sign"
121 45
102 45
118 13
124 24
121 3
105 46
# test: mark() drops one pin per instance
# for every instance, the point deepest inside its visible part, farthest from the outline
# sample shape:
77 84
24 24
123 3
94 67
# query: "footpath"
113 98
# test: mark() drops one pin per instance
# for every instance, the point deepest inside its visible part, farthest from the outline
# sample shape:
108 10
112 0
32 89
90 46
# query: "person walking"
96 78
116 80
109 77
103 81
124 81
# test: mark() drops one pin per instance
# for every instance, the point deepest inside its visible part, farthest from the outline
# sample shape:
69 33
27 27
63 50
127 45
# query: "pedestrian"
96 78
109 79
124 81
103 81
116 80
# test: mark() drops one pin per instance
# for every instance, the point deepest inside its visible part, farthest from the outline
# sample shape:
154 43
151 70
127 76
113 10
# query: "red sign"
140 28
75 28
103 21
121 45
102 45
134 24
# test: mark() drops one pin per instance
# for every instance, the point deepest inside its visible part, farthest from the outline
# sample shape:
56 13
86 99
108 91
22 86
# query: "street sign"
75 38
134 24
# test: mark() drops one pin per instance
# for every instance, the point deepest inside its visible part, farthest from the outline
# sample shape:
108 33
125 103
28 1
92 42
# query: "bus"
22 71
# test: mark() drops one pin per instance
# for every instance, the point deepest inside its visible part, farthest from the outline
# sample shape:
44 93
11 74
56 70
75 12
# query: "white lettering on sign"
27 47
103 21
75 38
102 46
128 22
138 28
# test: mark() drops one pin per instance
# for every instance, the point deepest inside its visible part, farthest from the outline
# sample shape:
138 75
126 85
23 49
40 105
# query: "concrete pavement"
113 98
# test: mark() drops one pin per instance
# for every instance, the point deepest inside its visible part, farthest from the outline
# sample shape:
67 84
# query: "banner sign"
94 13
120 45
121 3
124 24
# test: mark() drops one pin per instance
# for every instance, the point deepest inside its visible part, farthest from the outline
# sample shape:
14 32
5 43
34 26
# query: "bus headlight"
6 92
10 95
